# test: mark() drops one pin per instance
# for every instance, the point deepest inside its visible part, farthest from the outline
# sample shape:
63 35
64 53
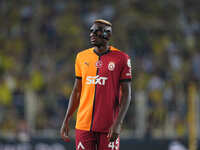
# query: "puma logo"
86 63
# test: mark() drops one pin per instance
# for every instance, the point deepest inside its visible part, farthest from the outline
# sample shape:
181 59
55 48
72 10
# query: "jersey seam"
94 101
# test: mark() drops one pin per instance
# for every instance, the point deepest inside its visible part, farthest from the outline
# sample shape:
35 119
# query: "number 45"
114 145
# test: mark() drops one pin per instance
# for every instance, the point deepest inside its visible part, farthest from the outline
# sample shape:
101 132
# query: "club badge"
111 66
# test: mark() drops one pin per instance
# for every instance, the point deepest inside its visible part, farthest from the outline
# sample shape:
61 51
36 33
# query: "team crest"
99 64
111 66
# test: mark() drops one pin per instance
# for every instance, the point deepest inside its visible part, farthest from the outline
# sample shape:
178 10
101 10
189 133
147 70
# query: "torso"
100 96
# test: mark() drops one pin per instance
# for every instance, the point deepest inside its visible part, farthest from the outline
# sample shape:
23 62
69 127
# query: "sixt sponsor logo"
96 80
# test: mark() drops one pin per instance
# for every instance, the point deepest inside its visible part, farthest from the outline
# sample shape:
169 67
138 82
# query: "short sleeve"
126 74
78 67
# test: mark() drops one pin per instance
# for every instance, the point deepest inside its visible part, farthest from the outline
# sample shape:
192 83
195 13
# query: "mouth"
92 39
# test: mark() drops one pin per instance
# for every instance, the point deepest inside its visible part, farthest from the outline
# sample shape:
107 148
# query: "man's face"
96 34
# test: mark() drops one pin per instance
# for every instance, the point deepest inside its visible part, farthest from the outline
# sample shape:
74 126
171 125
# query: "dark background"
39 40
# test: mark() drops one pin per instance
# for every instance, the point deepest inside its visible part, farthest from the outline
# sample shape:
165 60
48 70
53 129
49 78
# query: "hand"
114 132
64 131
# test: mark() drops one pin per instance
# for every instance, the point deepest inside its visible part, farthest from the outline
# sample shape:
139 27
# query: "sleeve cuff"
125 80
77 77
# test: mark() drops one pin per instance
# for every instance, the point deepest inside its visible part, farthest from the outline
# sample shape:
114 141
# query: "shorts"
89 140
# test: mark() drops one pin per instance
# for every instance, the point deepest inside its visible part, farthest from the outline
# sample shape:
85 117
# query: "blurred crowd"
39 41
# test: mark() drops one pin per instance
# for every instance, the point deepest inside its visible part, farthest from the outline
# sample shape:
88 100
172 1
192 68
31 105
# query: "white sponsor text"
96 80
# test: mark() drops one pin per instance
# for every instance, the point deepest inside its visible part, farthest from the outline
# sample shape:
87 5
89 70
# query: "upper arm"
78 73
78 67
126 69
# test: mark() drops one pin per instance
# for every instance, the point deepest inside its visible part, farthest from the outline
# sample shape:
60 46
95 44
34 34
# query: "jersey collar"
100 54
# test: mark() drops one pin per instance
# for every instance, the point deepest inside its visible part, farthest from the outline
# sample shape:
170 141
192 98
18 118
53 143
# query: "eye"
94 31
91 30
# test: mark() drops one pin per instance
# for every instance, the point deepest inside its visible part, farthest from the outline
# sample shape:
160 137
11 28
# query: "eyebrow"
96 28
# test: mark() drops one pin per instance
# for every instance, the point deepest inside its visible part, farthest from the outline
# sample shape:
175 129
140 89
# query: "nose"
92 33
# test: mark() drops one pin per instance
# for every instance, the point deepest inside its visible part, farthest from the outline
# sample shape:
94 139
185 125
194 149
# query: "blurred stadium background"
38 43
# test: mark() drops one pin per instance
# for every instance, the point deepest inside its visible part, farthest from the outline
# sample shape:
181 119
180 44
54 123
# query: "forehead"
98 25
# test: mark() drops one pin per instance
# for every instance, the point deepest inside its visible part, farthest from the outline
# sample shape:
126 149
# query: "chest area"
101 65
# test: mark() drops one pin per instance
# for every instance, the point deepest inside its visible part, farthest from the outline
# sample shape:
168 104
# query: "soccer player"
101 92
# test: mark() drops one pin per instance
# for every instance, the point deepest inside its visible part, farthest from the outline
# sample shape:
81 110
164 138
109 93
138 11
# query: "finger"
64 133
65 137
113 137
109 134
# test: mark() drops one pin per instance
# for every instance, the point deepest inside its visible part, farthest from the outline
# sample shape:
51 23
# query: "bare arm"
125 101
73 105
74 99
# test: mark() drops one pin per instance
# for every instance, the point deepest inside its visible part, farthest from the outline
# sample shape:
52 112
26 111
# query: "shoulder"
84 52
116 51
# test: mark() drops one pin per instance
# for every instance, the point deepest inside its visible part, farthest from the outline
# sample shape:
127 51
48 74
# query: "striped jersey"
101 75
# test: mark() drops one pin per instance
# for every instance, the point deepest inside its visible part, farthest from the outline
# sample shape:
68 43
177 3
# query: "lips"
92 39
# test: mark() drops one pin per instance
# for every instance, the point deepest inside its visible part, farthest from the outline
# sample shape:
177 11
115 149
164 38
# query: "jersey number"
114 145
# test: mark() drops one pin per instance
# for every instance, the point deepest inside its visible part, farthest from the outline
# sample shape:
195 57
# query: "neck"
101 49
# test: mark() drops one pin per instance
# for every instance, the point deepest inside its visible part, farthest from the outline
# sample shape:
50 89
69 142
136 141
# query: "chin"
94 44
